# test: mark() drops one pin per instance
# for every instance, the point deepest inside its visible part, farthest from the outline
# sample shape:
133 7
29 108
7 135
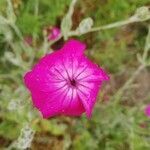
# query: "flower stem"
147 45
119 93
109 26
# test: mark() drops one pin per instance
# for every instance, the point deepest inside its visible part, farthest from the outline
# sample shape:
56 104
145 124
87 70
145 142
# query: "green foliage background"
113 126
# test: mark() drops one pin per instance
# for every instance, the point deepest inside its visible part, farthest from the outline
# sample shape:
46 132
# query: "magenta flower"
147 110
54 34
65 82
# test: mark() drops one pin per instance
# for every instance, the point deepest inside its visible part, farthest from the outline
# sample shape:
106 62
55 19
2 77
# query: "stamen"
73 82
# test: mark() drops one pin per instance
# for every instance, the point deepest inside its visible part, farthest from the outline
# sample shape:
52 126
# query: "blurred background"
118 121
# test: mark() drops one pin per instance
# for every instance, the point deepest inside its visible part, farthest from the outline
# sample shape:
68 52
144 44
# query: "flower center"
73 82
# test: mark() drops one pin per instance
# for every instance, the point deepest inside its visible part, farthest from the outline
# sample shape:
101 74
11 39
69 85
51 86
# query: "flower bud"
143 13
85 25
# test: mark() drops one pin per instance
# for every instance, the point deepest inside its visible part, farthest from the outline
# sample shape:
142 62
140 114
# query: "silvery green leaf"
7 34
12 58
3 21
139 58
143 13
85 25
10 12
66 23
25 138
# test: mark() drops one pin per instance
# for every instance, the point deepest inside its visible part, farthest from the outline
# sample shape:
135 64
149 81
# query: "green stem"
109 26
119 93
147 46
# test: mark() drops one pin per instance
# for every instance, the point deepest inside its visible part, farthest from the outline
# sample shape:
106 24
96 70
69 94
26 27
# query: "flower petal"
73 47
88 99
73 106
